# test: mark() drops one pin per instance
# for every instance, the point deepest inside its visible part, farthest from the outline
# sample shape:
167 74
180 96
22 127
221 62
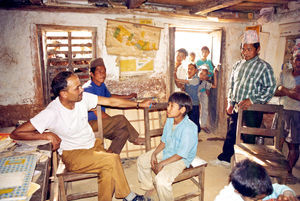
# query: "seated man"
116 128
64 123
250 181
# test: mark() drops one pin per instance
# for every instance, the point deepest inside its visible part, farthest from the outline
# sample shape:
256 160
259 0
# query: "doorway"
193 40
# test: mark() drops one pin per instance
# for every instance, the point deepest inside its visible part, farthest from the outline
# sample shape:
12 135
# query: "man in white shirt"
65 123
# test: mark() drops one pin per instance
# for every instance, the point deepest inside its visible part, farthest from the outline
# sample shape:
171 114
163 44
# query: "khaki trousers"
163 180
108 165
118 129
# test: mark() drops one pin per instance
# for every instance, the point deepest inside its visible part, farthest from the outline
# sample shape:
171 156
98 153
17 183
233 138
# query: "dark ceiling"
243 9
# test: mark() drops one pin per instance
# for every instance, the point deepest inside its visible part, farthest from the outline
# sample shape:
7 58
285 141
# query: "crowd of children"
200 77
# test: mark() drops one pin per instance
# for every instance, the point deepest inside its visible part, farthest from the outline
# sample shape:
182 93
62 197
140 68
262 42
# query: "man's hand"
229 109
244 104
147 103
55 140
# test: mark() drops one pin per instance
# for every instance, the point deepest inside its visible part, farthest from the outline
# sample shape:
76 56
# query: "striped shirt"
253 79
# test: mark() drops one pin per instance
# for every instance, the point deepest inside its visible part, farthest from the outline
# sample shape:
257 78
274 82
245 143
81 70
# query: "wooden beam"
134 3
209 6
142 12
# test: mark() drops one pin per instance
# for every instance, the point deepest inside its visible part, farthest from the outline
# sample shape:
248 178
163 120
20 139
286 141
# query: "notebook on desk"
15 176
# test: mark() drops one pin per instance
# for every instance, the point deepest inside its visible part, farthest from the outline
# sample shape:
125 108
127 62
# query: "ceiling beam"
209 6
134 3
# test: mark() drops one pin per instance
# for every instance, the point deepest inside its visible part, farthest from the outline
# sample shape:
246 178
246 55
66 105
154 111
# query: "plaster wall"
21 85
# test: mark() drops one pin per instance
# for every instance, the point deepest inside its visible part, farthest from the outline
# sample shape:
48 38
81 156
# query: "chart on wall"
131 39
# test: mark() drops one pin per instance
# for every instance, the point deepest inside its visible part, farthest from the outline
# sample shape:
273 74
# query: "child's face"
192 57
203 74
173 110
205 53
191 71
180 57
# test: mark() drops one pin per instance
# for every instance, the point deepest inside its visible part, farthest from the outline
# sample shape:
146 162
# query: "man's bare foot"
150 193
139 141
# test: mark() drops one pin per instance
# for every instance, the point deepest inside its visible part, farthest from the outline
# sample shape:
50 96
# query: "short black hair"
205 48
59 82
182 50
183 100
194 65
256 45
251 179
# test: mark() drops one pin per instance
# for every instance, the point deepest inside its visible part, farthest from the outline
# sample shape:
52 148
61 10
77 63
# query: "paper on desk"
12 179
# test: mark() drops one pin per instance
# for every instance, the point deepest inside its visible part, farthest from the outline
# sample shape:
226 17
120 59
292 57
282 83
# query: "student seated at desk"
175 152
250 181
66 122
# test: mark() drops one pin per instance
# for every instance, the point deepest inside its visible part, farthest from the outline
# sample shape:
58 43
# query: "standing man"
252 82
289 90
64 123
116 128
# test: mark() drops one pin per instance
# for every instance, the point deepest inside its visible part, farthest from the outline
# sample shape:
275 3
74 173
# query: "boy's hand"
153 161
286 198
229 109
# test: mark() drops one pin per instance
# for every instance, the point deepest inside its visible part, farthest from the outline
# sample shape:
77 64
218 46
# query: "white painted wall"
16 52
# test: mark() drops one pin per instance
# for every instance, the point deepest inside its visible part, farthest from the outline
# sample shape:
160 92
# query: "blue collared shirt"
101 90
183 140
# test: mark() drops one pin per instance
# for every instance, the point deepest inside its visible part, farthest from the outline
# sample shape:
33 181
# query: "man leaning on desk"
65 123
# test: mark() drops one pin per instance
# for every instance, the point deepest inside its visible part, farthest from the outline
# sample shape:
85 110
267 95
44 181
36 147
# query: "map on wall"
131 39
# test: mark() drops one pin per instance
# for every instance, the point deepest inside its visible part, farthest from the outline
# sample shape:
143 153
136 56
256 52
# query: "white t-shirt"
70 125
181 73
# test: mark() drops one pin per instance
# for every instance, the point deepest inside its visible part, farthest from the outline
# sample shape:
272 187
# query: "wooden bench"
198 170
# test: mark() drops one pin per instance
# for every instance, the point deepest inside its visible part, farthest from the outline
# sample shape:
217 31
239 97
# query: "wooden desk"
43 180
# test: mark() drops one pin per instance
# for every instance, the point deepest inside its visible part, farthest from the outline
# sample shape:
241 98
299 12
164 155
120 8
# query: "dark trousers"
251 119
194 116
118 129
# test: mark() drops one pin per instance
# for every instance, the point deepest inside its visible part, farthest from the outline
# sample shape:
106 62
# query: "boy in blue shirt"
175 152
191 86
250 181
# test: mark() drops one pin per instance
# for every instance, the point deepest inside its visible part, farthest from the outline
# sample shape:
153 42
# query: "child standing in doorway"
176 151
204 96
203 89
190 86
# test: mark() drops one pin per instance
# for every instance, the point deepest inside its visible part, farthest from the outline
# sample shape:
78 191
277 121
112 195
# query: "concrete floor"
215 177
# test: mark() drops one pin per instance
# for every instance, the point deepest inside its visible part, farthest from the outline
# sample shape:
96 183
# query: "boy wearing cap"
116 128
289 91
252 81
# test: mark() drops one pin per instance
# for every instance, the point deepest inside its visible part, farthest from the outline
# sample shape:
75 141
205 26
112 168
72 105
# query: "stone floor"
215 177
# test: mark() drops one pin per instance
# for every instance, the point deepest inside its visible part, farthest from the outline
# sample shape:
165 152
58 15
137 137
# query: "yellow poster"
137 65
131 39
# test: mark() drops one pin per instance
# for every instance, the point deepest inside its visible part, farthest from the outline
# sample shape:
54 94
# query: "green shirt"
253 79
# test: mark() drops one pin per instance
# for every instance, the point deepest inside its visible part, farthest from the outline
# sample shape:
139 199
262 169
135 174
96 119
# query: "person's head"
97 71
251 180
250 45
192 56
67 85
179 104
181 54
203 72
204 52
296 61
192 70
